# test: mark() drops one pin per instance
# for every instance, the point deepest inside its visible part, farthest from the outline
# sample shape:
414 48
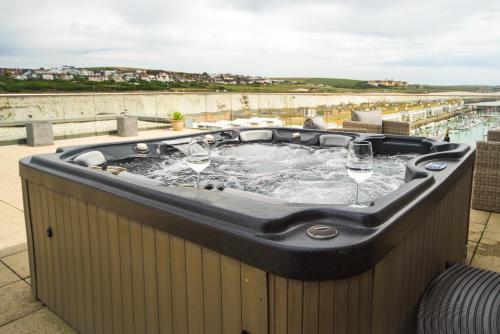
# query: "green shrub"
176 116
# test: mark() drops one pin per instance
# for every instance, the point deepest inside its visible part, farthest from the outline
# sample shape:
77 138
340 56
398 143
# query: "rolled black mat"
461 300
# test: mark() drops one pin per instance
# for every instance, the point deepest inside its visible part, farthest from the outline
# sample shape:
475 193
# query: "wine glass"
359 165
198 157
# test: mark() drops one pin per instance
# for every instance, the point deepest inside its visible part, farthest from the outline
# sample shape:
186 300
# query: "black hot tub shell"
109 253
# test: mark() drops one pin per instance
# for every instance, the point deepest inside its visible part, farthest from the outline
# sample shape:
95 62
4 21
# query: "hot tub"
118 252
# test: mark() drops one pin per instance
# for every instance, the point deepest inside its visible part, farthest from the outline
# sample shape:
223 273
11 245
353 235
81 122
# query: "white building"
97 78
55 70
71 70
163 77
86 73
117 78
128 76
415 115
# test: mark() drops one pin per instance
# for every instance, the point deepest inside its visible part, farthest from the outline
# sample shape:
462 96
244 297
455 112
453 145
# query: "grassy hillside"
299 85
333 82
360 85
10 85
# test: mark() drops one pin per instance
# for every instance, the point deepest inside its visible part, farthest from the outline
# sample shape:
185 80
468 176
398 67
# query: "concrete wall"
20 107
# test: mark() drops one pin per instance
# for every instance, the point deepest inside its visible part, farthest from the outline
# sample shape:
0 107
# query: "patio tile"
491 235
487 257
19 263
12 249
479 216
9 167
12 227
495 219
28 280
14 198
475 231
11 191
16 302
471 248
8 211
6 275
42 321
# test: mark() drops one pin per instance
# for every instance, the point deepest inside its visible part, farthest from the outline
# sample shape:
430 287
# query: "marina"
465 128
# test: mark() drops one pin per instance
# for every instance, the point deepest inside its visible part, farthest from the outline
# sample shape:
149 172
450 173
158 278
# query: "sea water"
297 173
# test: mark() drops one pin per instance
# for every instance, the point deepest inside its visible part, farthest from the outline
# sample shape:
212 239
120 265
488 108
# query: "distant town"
387 83
69 73
69 78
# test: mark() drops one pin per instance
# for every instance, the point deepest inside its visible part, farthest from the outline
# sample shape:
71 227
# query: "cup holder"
322 232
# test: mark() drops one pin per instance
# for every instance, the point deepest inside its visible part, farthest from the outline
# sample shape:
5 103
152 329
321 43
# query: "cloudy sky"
424 41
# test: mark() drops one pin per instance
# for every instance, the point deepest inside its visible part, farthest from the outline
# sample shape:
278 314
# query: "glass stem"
198 180
357 193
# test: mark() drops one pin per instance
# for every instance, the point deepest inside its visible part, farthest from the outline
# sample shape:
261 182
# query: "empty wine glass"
198 157
359 165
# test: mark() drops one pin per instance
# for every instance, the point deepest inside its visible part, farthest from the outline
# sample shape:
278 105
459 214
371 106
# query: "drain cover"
435 166
322 232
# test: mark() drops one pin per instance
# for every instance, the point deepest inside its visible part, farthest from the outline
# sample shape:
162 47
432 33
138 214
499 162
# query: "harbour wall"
15 108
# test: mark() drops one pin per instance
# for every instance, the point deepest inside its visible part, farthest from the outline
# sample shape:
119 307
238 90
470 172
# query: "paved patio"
20 314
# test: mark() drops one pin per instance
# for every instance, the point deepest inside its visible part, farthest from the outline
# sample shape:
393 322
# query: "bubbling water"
297 173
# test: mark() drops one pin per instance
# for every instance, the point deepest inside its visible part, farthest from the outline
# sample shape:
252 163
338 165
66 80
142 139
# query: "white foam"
295 173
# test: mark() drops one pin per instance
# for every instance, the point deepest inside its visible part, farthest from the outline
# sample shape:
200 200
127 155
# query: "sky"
423 41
